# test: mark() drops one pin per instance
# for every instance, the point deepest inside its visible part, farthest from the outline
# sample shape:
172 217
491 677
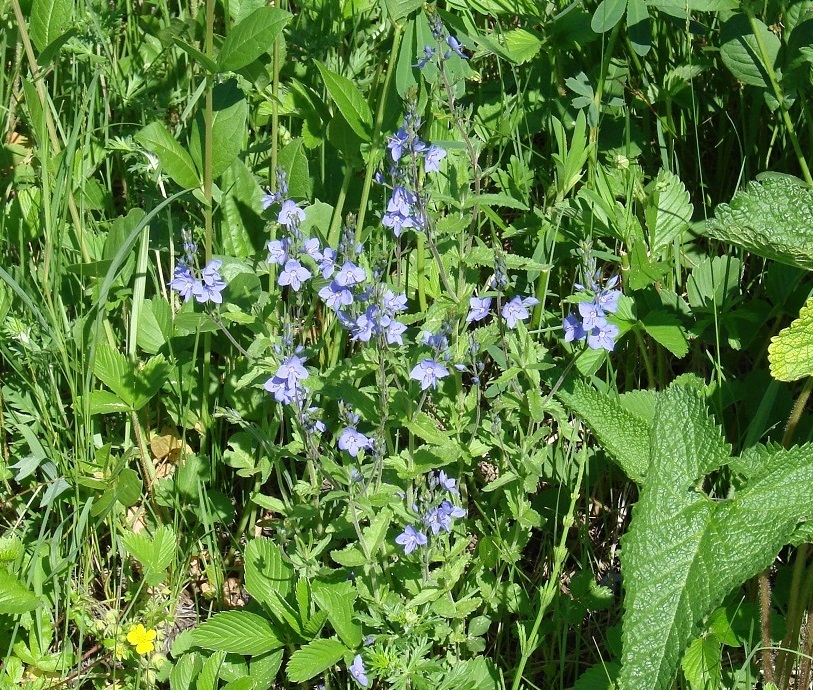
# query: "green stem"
778 94
334 234
547 593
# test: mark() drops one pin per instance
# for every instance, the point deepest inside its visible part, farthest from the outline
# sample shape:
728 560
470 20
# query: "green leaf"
155 555
267 572
685 551
771 218
405 72
49 20
790 353
241 234
669 211
237 632
349 101
294 160
666 330
622 434
252 37
522 44
313 658
175 162
184 672
607 15
599 677
154 325
208 678
639 26
337 601
201 58
133 384
398 9
740 51
105 402
15 597
701 663
229 115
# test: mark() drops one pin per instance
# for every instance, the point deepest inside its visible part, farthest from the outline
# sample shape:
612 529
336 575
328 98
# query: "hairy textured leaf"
621 433
791 351
237 632
49 20
741 53
15 597
684 551
771 218
349 101
251 38
313 658
669 210
175 162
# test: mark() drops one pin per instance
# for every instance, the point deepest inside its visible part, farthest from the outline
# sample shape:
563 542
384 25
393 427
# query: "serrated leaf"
207 680
154 325
790 353
522 44
398 9
772 218
701 663
315 657
15 597
337 601
49 20
607 15
237 632
184 672
350 102
266 571
135 385
740 52
621 433
155 554
599 677
665 329
684 551
251 38
669 211
175 162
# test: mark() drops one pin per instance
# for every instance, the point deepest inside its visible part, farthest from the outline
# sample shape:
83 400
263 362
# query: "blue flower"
397 222
277 251
573 328
453 511
411 539
592 314
365 325
336 296
183 280
350 275
327 264
428 372
479 308
608 300
353 441
517 310
437 520
210 286
456 47
401 201
431 162
393 303
312 248
428 54
437 341
396 144
440 479
290 214
358 671
269 199
393 330
294 274
603 337
285 384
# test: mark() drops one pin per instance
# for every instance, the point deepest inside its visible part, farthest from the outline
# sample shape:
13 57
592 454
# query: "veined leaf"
238 632
229 115
740 50
350 102
49 20
772 218
791 351
266 571
669 211
15 597
337 601
175 162
251 38
313 658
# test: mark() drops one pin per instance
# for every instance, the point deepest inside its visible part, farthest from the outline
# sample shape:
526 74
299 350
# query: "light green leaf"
398 9
251 38
666 330
49 20
599 677
154 325
242 232
702 663
607 15
685 551
337 601
134 384
184 672
740 51
790 353
237 632
15 597
668 211
349 101
229 115
771 218
294 160
266 571
175 162
522 44
208 678
313 658
155 555
105 402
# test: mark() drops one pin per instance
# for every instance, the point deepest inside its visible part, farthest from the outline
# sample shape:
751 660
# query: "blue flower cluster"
185 281
592 321
286 384
513 311
350 438
436 516
429 370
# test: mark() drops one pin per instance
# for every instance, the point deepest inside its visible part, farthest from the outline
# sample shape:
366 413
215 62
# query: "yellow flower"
141 639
